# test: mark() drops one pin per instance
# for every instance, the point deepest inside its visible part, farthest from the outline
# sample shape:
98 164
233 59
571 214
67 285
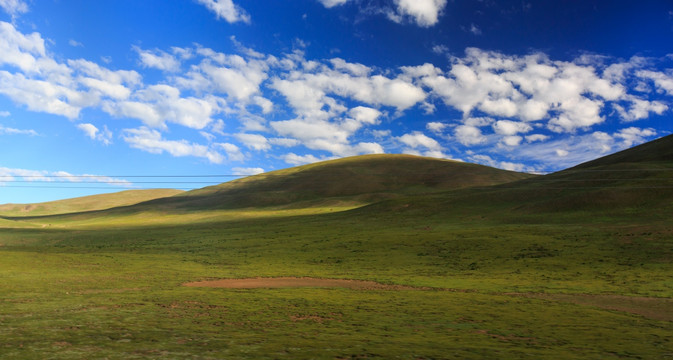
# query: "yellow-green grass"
85 203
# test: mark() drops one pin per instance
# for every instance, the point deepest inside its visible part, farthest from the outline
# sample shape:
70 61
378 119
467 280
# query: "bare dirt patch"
298 282
649 307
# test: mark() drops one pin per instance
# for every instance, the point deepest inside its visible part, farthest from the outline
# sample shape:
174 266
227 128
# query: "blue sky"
107 95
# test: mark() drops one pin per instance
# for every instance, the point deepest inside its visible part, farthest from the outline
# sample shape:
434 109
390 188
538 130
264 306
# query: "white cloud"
254 141
227 10
418 139
157 104
663 81
536 137
13 131
11 174
436 127
512 140
424 12
469 135
508 127
14 7
285 142
294 159
353 69
75 43
561 152
5 113
633 136
365 115
104 136
218 127
332 3
157 59
43 96
247 171
151 141
505 165
233 152
89 130
640 109
567 95
233 75
569 151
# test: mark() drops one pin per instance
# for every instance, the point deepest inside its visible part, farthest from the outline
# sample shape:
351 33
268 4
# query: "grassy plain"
509 277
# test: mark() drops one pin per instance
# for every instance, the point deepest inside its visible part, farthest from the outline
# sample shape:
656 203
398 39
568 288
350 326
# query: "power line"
121 176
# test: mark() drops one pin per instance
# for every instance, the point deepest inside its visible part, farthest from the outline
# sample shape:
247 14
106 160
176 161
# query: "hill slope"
86 203
632 182
358 179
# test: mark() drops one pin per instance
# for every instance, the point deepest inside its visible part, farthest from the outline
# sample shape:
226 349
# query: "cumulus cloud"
469 135
508 127
150 140
640 109
91 131
247 171
633 136
436 127
157 59
158 104
233 152
295 159
418 143
14 7
332 3
508 102
568 95
42 96
254 141
424 13
227 10
663 81
239 78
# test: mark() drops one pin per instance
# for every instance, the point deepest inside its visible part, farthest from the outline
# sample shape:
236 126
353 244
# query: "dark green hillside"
359 179
653 152
633 182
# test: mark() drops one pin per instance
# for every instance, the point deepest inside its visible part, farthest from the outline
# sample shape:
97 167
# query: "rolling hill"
85 203
635 181
351 181
466 260
359 179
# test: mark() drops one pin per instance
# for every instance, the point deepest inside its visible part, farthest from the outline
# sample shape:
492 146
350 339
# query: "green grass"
539 268
108 291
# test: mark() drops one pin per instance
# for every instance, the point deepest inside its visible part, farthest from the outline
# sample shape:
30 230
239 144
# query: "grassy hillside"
549 267
86 203
357 180
633 183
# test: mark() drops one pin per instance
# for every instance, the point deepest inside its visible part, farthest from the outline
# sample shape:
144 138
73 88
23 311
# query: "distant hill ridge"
365 179
635 178
357 180
86 203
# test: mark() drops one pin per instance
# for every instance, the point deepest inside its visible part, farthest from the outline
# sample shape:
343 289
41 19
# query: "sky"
110 95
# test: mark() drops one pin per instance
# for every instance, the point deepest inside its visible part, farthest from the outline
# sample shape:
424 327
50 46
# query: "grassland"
523 269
